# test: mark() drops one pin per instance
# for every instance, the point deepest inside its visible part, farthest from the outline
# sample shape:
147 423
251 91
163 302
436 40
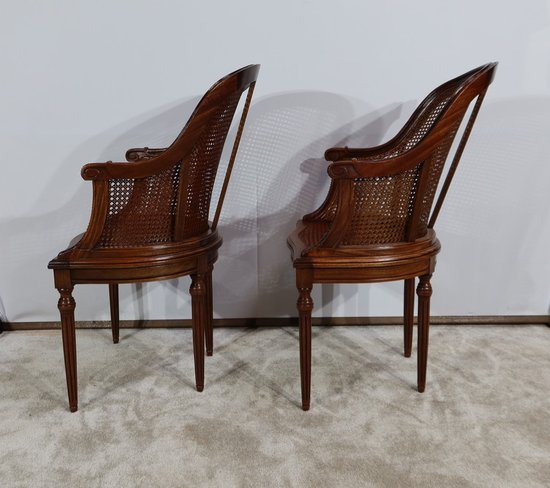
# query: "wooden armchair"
375 224
150 222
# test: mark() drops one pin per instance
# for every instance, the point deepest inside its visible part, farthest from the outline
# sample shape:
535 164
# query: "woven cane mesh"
383 206
424 121
435 165
202 166
145 211
141 211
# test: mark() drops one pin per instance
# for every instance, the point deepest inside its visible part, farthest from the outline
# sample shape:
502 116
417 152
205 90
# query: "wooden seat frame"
119 245
331 244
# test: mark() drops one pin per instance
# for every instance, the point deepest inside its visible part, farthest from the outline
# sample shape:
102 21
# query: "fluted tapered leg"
66 306
209 332
198 301
408 317
113 301
424 292
305 306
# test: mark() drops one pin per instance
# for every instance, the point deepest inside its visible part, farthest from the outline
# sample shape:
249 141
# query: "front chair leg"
408 317
208 326
305 306
198 302
424 292
113 301
66 306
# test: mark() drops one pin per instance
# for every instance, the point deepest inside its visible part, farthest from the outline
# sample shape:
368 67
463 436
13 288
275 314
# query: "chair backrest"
396 207
173 203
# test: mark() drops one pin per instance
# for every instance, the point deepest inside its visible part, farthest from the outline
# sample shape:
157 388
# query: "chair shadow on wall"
31 241
286 176
280 175
275 180
291 180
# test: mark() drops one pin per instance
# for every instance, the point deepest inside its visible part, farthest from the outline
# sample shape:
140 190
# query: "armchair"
376 223
149 220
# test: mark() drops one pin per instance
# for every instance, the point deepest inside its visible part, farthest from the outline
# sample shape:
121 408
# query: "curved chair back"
395 205
172 202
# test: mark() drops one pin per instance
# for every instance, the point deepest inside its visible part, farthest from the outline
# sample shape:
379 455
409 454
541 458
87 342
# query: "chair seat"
140 263
356 264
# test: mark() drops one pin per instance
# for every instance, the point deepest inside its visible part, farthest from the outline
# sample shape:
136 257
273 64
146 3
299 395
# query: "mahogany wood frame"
327 258
86 261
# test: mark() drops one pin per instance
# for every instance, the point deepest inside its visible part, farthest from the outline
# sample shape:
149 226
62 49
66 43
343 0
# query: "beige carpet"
483 421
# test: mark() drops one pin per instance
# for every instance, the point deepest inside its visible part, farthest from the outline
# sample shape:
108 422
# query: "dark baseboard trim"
291 321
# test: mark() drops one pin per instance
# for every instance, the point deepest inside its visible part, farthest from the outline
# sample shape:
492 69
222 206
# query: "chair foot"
424 292
305 306
66 306
113 301
208 327
198 305
408 317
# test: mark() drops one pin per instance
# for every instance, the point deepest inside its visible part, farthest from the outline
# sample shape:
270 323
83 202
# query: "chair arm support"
139 153
324 211
100 209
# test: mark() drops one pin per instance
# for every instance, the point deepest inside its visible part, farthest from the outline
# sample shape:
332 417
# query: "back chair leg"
113 301
424 292
408 317
198 302
66 306
209 332
305 306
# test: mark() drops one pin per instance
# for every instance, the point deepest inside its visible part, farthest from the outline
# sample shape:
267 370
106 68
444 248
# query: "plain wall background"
83 81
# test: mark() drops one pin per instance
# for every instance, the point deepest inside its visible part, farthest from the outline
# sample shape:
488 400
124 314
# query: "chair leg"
408 316
208 326
198 302
305 306
66 306
424 292
113 301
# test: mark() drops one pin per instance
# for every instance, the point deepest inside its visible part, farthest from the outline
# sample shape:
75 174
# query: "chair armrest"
141 168
367 168
339 153
139 153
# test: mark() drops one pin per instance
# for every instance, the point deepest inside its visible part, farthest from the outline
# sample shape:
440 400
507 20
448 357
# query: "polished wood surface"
150 220
376 223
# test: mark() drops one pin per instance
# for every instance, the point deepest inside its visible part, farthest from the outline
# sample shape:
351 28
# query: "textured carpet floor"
483 421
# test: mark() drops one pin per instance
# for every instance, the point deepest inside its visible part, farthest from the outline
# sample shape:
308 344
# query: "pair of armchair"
150 222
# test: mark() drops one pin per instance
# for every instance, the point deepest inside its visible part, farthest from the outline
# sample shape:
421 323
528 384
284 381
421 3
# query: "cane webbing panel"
383 206
141 211
201 168
147 211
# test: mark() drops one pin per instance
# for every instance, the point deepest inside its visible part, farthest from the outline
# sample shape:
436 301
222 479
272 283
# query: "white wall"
83 81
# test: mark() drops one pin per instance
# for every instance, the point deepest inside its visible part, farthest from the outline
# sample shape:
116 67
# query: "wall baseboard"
291 321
